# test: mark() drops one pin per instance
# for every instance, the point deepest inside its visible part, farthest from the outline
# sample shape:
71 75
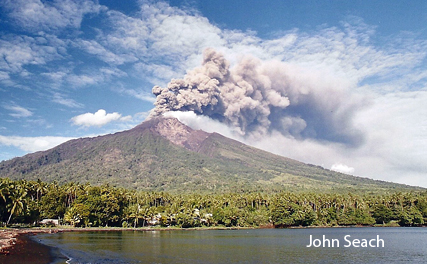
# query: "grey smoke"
258 97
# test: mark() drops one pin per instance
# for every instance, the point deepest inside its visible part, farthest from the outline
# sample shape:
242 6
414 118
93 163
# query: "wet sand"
17 247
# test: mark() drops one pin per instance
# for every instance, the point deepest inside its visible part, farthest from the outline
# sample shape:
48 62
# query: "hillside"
163 154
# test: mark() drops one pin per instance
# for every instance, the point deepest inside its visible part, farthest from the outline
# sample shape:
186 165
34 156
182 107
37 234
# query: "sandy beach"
17 247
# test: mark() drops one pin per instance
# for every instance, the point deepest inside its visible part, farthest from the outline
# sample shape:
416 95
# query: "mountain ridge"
163 154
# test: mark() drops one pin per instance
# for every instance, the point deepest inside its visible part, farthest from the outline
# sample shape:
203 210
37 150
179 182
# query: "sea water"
309 245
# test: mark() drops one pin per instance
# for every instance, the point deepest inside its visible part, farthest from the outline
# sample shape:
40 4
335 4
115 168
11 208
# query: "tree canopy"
28 202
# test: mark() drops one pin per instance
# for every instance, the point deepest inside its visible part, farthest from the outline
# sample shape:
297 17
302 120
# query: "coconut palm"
4 188
17 198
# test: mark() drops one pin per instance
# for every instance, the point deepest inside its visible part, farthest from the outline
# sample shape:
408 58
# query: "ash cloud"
257 97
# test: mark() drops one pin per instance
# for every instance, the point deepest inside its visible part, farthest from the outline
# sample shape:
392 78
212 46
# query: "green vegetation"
85 205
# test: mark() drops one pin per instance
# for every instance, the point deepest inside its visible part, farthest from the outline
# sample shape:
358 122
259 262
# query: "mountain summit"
176 132
163 154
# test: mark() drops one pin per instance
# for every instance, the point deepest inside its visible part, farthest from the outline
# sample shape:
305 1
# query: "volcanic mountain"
162 154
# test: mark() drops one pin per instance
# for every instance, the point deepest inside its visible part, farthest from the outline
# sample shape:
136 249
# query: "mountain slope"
165 155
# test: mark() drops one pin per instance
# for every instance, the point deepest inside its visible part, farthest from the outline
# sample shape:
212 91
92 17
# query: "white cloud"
177 33
112 72
177 37
37 15
160 33
342 168
56 75
5 78
18 111
56 78
161 30
18 51
83 79
100 118
59 99
32 144
141 95
158 74
95 48
396 129
93 77
130 34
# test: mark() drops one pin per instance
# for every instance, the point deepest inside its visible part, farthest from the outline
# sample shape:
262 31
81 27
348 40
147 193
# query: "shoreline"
11 237
17 246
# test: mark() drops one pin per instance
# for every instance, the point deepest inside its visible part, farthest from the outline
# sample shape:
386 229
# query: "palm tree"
18 198
131 211
4 188
40 189
71 190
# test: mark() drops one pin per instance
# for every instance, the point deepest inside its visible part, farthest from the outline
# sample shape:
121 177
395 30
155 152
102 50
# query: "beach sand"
16 246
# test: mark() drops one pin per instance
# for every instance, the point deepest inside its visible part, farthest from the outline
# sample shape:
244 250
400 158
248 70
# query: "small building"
48 221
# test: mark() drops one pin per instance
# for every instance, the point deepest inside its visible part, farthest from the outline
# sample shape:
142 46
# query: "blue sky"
85 68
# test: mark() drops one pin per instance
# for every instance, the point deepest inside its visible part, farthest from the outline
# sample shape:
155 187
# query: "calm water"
401 245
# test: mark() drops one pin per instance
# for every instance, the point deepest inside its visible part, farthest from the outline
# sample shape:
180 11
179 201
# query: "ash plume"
256 97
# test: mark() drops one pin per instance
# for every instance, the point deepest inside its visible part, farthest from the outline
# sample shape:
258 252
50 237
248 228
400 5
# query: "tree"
52 203
422 207
17 205
77 214
281 213
382 214
4 194
136 212
4 188
292 210
411 217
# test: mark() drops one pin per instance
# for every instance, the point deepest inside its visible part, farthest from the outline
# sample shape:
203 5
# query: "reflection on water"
402 245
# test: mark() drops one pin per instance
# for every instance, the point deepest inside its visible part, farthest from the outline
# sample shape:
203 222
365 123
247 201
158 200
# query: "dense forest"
28 202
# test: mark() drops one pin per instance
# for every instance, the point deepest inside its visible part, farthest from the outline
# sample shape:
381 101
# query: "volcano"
163 154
